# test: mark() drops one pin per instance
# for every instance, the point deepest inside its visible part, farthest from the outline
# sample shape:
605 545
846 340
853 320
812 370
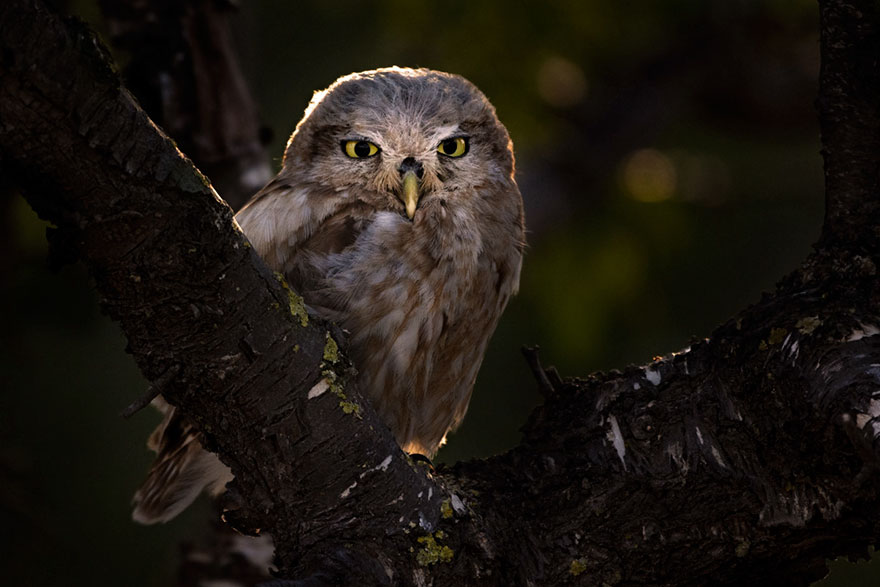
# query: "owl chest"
387 293
420 307
408 270
407 292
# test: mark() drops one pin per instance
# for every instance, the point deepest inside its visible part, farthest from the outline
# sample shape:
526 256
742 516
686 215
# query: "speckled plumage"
420 296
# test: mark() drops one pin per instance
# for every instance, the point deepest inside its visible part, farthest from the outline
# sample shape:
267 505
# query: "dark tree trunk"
750 457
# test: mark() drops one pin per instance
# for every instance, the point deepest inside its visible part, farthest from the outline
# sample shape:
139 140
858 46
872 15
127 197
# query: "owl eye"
359 149
455 147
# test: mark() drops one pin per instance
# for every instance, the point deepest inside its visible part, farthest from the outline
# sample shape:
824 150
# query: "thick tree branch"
191 295
750 456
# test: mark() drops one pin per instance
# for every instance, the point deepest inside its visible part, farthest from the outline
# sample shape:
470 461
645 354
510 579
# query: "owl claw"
422 460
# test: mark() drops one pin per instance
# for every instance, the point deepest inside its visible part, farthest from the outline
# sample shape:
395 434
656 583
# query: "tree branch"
192 295
849 114
750 456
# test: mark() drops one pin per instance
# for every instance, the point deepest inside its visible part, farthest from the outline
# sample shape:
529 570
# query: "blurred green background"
668 154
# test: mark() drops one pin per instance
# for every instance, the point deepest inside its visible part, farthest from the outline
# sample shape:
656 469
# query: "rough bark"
750 456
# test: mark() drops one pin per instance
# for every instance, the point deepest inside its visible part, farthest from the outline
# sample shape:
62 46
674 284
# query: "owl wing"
281 218
296 230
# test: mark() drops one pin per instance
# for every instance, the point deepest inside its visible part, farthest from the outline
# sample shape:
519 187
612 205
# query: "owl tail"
181 471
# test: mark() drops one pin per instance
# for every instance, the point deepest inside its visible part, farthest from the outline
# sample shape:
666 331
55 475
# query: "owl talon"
422 460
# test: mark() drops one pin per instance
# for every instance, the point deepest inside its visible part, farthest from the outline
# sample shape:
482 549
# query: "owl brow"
449 129
325 137
330 129
346 138
469 126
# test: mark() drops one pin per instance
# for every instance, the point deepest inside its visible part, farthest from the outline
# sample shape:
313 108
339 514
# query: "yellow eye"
359 149
455 147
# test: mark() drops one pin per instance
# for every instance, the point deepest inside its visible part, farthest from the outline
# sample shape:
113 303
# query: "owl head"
399 138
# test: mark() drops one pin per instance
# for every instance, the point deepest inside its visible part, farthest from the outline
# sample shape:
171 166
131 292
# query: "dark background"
668 154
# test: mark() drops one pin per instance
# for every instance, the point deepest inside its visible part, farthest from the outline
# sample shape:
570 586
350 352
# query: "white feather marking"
378 276
295 213
444 132
385 222
389 323
653 376
405 346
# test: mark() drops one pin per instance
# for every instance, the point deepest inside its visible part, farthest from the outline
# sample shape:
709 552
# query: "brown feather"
420 296
181 471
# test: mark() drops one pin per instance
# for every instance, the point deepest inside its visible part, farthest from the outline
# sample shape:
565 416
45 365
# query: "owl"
395 215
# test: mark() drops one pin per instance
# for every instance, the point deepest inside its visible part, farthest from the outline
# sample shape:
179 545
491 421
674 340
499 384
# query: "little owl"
396 216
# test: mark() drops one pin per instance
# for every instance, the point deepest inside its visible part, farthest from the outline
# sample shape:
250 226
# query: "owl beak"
410 192
411 172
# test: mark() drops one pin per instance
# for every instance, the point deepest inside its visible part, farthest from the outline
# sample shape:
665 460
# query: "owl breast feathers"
395 215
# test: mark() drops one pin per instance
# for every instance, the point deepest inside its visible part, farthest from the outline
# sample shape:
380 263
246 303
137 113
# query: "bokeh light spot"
561 83
648 175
